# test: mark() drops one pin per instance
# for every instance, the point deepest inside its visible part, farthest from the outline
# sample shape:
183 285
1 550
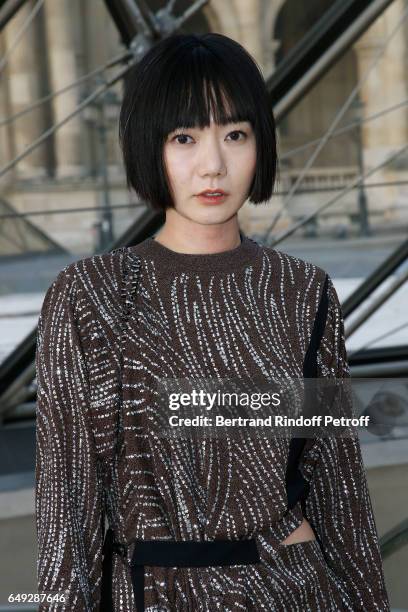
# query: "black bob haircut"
178 83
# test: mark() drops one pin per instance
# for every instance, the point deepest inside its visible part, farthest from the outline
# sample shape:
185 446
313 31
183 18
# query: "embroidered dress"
249 311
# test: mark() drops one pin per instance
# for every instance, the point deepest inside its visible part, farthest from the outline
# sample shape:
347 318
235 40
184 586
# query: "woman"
265 524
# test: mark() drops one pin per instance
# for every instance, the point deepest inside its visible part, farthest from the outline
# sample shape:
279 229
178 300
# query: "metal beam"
378 301
8 9
124 20
389 361
387 267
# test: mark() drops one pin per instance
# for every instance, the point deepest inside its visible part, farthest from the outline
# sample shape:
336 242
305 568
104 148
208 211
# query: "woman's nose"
211 159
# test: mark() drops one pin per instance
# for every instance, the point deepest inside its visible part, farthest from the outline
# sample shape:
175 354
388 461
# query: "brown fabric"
244 312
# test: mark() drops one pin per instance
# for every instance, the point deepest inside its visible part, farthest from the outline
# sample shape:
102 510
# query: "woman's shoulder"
295 270
94 286
95 270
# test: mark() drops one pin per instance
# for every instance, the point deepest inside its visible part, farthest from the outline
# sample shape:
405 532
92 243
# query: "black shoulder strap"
310 362
297 487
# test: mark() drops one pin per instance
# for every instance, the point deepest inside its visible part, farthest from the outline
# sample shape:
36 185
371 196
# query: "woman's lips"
212 199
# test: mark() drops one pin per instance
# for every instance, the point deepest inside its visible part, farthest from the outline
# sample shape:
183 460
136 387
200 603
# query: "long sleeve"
69 493
338 505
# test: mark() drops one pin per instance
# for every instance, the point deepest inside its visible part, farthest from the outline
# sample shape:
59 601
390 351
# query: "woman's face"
216 157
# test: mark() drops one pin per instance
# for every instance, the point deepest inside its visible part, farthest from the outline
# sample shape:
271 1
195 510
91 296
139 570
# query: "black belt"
170 553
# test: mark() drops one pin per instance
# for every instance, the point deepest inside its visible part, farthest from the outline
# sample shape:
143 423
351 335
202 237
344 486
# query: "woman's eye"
234 133
237 132
181 136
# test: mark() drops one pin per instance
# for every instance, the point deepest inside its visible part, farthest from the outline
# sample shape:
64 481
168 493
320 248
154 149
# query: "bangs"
197 88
